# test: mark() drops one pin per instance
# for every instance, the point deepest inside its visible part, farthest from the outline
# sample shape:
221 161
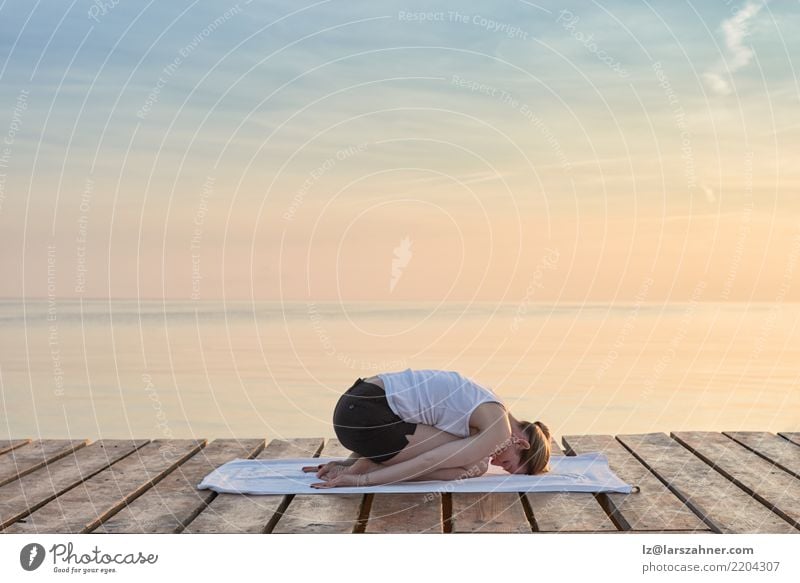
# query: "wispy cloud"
735 29
709 192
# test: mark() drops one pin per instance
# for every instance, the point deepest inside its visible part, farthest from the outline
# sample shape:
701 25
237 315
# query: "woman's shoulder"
488 414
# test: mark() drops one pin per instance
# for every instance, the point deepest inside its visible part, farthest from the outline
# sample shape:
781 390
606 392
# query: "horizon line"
516 301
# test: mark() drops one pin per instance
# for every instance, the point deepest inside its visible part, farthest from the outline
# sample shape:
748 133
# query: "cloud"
735 30
709 192
717 83
739 55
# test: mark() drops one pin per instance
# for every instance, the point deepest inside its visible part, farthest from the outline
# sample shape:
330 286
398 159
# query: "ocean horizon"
181 368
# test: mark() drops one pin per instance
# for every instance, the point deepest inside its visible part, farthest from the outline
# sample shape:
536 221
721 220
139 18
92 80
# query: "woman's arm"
472 471
464 452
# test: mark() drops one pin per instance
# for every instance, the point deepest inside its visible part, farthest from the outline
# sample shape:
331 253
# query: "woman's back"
442 398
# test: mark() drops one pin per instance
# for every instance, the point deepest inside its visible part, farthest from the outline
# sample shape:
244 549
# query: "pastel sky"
400 151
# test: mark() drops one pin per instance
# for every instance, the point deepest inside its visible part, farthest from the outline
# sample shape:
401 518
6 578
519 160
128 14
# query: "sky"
400 151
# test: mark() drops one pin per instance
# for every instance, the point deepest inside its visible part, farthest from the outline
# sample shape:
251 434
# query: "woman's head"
528 451
536 459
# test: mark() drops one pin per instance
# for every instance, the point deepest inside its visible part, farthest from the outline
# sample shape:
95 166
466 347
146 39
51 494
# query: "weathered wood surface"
326 513
7 445
244 513
654 507
405 513
716 500
567 511
779 451
84 507
691 482
32 456
761 479
175 501
21 497
793 437
481 512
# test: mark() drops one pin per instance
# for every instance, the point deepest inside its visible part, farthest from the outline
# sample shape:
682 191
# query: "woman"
428 425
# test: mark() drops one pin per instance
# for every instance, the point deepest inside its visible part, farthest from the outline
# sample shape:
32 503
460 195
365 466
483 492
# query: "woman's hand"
344 480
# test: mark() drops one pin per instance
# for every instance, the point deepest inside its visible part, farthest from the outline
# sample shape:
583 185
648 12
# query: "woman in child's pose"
428 425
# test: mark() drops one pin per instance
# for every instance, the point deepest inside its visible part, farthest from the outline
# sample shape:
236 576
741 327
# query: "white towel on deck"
588 472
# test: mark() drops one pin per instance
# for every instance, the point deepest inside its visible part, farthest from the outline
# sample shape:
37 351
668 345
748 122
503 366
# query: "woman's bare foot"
363 465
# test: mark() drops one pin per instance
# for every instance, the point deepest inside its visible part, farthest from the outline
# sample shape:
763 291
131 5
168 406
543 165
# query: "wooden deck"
698 482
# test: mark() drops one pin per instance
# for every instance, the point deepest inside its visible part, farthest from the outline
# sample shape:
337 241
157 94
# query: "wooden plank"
777 490
793 437
322 513
175 501
405 513
485 512
667 532
245 513
31 457
654 507
413 513
21 497
85 506
716 500
782 453
7 445
567 511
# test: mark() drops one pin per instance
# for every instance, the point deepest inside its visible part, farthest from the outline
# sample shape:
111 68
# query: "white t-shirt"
441 398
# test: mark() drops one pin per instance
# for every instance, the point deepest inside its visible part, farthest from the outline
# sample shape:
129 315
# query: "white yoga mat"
588 472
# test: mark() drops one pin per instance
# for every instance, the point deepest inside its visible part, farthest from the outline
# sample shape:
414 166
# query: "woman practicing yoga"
428 425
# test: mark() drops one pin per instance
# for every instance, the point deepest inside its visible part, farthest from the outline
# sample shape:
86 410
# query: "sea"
173 369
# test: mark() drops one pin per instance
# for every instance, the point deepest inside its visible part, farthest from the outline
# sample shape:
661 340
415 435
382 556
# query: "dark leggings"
364 423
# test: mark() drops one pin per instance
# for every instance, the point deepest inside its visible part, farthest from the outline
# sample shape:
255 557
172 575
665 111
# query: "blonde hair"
536 459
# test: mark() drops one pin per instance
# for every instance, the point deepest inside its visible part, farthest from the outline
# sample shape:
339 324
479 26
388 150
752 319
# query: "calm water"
197 369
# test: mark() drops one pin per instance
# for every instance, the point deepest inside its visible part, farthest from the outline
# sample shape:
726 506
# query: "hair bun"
543 427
